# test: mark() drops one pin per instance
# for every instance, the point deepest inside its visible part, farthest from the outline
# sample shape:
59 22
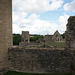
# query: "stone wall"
48 38
25 39
41 60
70 34
57 37
46 60
34 60
5 32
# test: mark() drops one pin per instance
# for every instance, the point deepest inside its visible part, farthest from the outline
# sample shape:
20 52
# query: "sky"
41 16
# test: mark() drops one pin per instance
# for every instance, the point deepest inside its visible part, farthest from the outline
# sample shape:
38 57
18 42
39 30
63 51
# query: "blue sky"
41 16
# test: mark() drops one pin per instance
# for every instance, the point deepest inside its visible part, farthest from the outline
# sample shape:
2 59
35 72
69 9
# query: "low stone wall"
41 60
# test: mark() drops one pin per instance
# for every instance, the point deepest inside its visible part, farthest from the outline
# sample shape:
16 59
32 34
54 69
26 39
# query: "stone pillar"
25 40
70 41
70 34
25 37
5 32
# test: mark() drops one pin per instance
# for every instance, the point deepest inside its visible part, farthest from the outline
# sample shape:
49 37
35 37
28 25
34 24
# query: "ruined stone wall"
25 37
70 34
48 38
34 60
57 37
5 31
46 60
41 60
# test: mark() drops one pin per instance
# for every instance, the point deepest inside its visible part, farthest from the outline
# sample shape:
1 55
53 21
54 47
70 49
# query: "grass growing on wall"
19 73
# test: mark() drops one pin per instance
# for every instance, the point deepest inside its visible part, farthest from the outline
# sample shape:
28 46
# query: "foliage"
36 37
16 39
63 35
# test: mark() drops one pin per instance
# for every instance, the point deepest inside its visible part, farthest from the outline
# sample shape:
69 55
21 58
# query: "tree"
16 39
63 35
36 37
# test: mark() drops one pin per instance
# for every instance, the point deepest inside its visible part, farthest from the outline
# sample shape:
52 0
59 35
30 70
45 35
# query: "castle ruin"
45 60
56 37
34 60
5 32
70 34
25 38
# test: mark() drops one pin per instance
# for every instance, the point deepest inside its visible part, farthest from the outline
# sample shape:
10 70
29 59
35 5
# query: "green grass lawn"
19 73
57 44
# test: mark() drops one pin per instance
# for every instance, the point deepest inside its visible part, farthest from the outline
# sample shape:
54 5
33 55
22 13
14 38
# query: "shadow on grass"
19 73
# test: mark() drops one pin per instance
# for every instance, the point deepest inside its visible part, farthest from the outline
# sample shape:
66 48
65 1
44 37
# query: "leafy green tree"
63 35
36 37
16 39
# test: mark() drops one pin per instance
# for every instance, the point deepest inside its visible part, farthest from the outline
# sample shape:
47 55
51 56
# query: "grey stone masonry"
5 32
48 38
46 60
70 34
25 40
25 37
57 37
41 60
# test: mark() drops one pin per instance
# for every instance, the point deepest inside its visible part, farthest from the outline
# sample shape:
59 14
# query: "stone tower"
70 34
25 37
5 32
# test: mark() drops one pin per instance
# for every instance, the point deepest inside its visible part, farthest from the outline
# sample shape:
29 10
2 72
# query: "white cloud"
70 6
55 4
62 23
17 16
36 26
36 6
34 16
16 29
33 24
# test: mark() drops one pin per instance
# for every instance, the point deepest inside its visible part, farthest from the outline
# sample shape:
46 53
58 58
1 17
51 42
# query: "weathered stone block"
40 60
5 31
70 34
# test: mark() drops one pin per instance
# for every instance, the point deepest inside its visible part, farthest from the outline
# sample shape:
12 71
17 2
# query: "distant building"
25 39
48 38
55 37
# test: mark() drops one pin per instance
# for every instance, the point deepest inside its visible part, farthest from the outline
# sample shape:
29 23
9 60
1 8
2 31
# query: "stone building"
5 32
57 37
48 38
25 38
34 60
70 33
46 60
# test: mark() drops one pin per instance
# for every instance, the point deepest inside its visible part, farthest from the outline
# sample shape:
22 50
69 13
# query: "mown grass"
19 73
57 44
